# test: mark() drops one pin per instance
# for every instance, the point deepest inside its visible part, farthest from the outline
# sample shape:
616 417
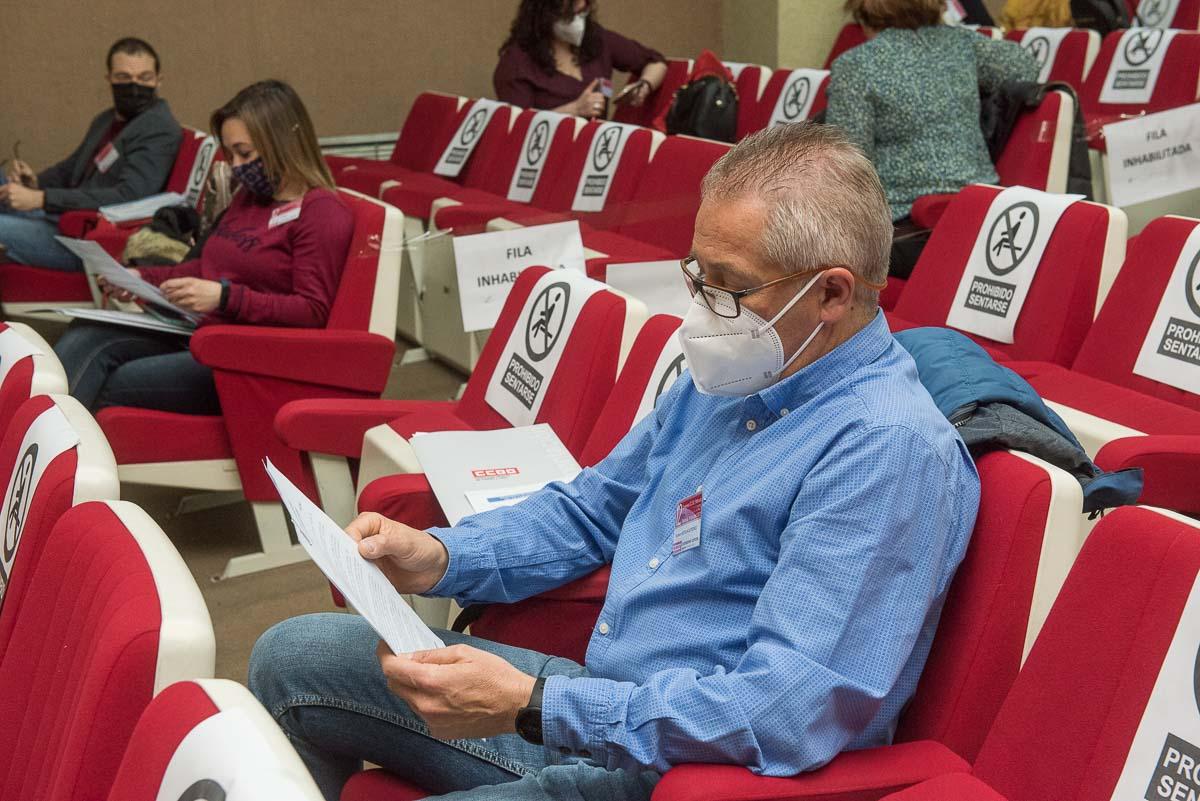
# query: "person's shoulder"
513 56
326 208
160 116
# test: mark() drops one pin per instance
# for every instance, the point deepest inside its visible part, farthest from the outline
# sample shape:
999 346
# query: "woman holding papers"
275 258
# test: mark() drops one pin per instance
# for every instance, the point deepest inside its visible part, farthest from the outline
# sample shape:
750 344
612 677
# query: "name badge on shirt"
687 524
285 214
107 157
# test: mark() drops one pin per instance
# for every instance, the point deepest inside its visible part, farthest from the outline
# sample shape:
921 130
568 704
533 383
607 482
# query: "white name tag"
799 93
463 143
1004 261
1171 351
107 157
49 436
1136 64
1154 156
1043 44
1156 13
534 349
687 523
488 264
603 159
670 366
534 151
658 284
13 348
286 213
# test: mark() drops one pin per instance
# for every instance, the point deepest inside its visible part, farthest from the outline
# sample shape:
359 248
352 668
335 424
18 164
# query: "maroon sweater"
285 273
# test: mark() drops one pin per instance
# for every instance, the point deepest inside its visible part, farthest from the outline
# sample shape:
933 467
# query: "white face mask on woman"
571 31
737 356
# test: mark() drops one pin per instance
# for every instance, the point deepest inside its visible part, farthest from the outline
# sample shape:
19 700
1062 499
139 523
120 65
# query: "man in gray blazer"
127 154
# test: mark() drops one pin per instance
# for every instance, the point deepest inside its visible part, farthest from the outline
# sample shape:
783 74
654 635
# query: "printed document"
143 208
143 320
97 262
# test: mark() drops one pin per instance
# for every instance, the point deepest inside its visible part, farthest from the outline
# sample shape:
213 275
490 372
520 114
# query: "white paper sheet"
143 208
361 581
658 284
147 322
97 262
1154 156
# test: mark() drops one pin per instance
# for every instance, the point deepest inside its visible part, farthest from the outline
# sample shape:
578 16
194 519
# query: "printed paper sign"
605 156
463 143
533 155
13 348
1043 44
488 264
799 92
1135 66
1156 13
1163 759
48 436
1154 156
1171 351
1004 260
658 284
534 348
200 166
670 366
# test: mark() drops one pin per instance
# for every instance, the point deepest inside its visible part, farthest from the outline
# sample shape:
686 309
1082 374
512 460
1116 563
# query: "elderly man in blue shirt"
782 531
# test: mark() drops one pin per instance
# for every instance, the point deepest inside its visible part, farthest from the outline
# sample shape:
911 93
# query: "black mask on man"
131 99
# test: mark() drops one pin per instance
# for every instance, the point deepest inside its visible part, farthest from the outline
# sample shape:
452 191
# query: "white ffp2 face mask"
571 31
738 356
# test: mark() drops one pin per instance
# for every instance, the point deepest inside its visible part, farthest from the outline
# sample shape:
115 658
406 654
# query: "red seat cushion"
379 785
20 283
141 436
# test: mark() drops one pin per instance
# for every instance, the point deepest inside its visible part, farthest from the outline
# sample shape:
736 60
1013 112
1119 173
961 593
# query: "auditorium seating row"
106 646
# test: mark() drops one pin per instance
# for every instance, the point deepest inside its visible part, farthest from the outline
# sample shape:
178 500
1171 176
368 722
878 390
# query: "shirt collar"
863 348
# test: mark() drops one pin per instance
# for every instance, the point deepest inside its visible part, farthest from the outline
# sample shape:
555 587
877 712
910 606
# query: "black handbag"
707 108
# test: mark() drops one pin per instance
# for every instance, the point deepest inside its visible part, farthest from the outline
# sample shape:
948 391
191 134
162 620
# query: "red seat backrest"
678 70
1059 308
495 159
193 162
1039 147
25 375
1066 726
1071 60
758 115
351 309
1111 348
1177 81
432 120
850 36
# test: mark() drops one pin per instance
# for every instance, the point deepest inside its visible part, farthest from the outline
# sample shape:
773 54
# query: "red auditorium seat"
1153 13
111 617
1026 534
1078 265
1089 716
257 370
754 116
1072 59
28 367
52 456
659 102
212 731
850 36
26 288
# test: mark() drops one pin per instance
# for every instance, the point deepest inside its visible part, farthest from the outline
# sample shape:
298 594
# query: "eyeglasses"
728 302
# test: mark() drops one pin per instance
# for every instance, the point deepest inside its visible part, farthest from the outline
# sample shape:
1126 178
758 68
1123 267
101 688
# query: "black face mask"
131 99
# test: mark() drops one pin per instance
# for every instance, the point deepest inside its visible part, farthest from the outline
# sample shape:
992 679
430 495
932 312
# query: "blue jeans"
319 677
29 238
109 365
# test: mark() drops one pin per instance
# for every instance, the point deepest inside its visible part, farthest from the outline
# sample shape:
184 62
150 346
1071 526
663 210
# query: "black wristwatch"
224 301
529 717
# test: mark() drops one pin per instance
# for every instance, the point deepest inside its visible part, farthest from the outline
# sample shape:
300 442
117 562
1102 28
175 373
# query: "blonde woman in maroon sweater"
274 258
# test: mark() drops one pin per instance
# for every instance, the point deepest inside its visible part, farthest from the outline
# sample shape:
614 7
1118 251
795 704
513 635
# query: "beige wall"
357 63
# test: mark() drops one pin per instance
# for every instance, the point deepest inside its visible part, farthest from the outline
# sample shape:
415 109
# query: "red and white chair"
28 367
25 288
801 92
258 369
210 736
1094 714
1073 57
1154 14
111 616
1077 269
52 456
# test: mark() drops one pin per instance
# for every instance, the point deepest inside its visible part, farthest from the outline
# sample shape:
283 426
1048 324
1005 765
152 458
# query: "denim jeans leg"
169 382
319 677
91 352
29 238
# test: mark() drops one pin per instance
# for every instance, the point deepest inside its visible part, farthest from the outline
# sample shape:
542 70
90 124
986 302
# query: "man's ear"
836 294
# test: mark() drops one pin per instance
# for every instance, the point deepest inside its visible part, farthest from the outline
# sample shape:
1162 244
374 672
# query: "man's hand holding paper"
414 561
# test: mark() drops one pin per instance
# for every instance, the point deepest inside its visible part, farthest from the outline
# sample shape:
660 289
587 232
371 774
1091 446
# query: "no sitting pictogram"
473 127
1140 45
1039 48
1192 287
537 143
1152 13
546 318
18 505
796 97
1010 237
605 149
673 371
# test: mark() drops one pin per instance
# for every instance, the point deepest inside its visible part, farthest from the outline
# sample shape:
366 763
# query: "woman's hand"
116 293
591 103
20 172
193 294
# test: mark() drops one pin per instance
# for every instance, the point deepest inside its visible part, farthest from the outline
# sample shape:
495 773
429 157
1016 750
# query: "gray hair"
825 203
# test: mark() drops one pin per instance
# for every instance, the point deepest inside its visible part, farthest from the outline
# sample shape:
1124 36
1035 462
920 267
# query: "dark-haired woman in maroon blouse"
558 57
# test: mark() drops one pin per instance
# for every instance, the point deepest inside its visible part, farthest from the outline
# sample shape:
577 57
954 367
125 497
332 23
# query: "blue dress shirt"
837 505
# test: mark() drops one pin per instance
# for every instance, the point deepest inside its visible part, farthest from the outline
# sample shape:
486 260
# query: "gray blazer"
146 149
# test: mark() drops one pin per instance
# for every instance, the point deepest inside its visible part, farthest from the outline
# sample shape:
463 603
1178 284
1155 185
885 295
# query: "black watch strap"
224 301
529 717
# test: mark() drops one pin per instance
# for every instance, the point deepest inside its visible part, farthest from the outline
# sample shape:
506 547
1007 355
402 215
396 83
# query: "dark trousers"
908 240
110 365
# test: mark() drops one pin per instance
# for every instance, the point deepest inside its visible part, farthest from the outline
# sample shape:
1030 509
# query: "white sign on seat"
1136 65
1171 350
1043 44
1156 13
13 348
799 93
603 159
670 366
458 151
534 150
1153 156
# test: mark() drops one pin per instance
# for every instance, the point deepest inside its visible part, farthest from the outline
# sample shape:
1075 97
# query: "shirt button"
751 425
784 412
604 628
654 563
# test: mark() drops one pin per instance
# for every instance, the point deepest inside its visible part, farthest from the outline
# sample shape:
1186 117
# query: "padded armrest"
337 426
472 218
928 209
78 222
956 786
352 360
434 419
852 776
590 589
1171 463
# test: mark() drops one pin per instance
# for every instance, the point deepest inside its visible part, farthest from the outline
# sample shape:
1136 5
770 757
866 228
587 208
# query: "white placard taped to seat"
658 284
1153 156
670 366
1171 351
488 264
1156 13
49 435
534 150
224 758
200 167
799 93
1136 65
603 159
469 132
14 348
1043 44
534 349
1163 757
1004 261
735 68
